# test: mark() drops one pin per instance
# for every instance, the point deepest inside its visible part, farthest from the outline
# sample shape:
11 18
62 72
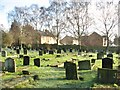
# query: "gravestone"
84 65
44 51
26 60
3 53
71 71
79 52
2 65
51 52
107 63
37 62
100 55
59 51
17 51
40 53
107 75
92 60
70 49
10 65
25 51
110 55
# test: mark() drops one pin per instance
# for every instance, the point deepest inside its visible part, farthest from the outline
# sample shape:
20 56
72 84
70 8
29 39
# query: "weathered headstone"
107 75
100 55
71 71
17 51
40 53
26 60
2 65
37 62
3 53
10 65
110 55
25 51
64 50
107 63
84 65
51 52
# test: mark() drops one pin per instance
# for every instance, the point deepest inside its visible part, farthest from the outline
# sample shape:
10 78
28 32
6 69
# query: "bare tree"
78 19
107 19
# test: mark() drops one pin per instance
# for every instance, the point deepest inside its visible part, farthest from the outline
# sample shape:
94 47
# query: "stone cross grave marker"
107 75
37 62
26 60
10 65
71 71
84 65
3 53
107 63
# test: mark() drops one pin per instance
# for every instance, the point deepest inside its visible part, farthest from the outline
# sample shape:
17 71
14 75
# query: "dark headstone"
37 62
64 50
51 52
107 63
44 51
10 65
40 53
17 51
110 55
70 49
3 53
25 51
26 60
25 72
107 75
100 55
84 65
71 71
92 60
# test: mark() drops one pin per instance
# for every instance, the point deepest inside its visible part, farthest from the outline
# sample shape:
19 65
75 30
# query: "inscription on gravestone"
10 65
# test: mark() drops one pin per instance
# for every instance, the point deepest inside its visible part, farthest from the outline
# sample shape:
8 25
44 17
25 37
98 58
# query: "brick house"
93 39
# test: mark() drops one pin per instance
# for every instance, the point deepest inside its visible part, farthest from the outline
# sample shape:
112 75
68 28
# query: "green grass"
53 77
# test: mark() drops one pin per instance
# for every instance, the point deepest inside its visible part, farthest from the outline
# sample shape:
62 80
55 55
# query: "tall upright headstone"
71 71
37 62
40 53
25 51
107 63
17 51
10 65
26 60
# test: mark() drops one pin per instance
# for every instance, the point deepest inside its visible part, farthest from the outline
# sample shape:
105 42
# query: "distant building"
47 37
93 39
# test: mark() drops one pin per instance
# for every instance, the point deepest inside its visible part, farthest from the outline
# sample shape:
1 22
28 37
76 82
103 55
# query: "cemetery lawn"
53 77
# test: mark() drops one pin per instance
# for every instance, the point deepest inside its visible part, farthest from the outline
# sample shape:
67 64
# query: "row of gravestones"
100 55
105 74
10 64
